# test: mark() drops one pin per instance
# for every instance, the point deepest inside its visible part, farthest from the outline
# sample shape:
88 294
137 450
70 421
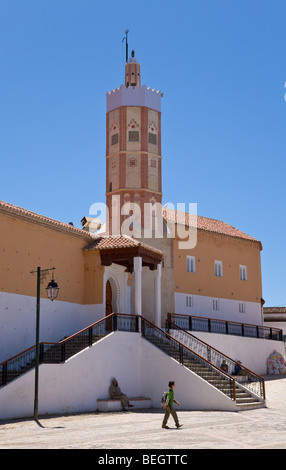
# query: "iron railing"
213 325
185 355
251 381
55 353
188 350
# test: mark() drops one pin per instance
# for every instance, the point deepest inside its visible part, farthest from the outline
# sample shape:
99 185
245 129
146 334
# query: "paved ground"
263 428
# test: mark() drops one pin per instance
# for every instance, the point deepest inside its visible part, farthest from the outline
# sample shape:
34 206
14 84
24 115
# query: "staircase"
185 348
50 353
247 395
56 353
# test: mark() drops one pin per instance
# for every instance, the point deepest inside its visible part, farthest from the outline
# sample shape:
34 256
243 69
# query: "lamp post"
52 291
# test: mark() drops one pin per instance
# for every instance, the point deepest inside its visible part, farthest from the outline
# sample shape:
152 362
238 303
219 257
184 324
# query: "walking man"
169 407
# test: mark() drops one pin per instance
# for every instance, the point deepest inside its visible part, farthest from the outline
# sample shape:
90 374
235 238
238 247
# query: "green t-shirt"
170 397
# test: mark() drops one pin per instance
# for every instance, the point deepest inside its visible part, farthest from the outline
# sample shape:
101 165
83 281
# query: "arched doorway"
108 298
108 304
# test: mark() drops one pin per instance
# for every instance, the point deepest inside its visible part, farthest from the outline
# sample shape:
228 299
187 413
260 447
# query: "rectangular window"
215 304
114 139
189 301
191 264
241 307
218 268
133 136
243 273
152 138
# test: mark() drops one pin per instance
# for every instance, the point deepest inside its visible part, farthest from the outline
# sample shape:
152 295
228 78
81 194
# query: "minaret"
133 146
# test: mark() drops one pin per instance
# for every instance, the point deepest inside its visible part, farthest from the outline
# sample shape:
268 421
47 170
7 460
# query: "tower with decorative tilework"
133 147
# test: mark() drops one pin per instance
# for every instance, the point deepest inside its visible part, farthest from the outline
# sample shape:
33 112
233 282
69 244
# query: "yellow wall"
93 280
232 252
24 246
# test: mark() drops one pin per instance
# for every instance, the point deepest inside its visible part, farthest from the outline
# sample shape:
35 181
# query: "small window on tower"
152 138
133 136
132 162
114 139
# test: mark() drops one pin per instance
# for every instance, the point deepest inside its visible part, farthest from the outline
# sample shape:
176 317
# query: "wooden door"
108 304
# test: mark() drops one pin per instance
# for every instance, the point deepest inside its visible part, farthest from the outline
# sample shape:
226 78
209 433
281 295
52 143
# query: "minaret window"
114 139
152 138
133 136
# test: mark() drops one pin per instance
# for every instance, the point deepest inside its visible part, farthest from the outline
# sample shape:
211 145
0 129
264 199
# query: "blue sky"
221 65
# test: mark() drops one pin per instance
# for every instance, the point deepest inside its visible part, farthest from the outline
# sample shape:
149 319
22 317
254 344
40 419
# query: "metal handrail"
241 374
59 352
185 352
215 325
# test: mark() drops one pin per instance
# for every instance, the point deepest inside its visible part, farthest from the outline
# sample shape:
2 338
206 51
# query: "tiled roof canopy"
122 249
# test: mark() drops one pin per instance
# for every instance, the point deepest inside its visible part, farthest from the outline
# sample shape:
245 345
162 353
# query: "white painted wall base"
202 306
140 368
58 319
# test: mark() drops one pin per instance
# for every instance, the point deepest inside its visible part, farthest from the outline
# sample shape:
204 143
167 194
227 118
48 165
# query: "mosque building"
148 259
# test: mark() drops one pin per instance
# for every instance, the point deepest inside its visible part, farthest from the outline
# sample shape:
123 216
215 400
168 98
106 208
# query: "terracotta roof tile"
123 241
118 241
206 224
18 212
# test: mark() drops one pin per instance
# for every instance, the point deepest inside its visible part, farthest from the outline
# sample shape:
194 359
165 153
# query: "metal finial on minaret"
126 42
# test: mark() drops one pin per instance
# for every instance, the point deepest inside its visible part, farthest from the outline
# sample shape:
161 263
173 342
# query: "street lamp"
52 290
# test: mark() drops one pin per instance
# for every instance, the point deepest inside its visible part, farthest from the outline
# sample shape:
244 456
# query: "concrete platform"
262 428
115 405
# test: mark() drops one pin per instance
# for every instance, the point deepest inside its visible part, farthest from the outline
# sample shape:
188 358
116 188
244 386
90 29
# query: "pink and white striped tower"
133 146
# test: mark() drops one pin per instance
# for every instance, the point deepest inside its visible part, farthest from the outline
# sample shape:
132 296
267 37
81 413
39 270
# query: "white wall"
57 320
252 352
140 368
228 309
276 324
137 96
192 392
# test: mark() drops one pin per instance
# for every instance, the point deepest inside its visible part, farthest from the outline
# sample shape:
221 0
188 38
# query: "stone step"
208 374
250 406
